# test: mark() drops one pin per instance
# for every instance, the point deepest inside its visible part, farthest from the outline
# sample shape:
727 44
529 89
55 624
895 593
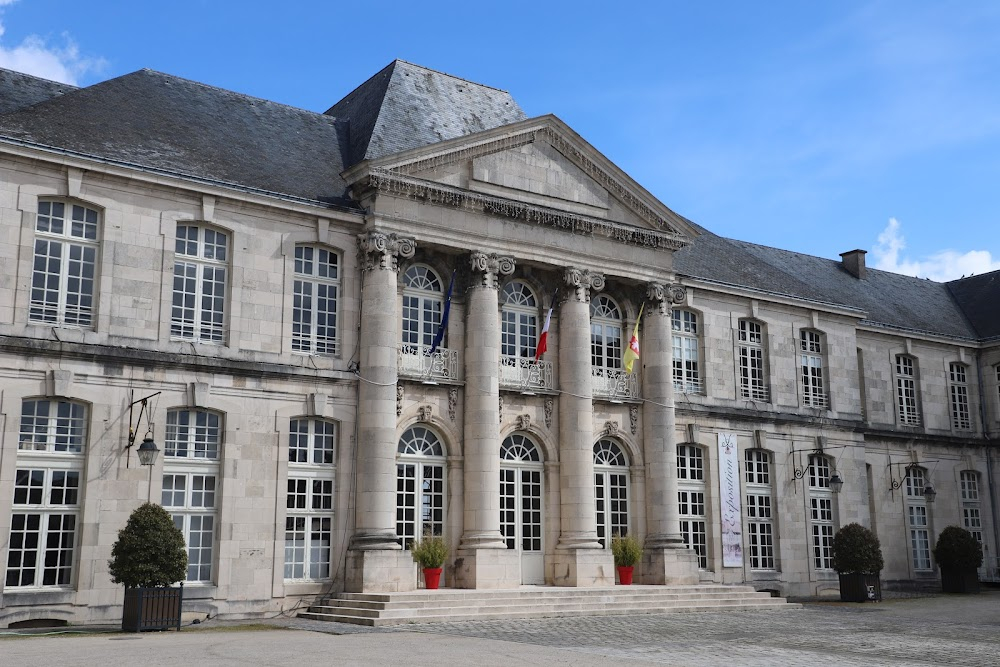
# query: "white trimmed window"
611 487
687 371
200 268
917 519
605 333
190 483
811 366
312 447
41 551
519 323
316 290
423 307
750 356
821 512
760 516
959 389
971 518
64 269
906 391
420 485
691 501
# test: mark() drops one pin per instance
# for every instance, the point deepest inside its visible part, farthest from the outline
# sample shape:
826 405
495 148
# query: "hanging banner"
730 501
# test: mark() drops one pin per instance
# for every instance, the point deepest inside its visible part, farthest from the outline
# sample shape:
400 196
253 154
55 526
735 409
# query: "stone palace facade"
271 281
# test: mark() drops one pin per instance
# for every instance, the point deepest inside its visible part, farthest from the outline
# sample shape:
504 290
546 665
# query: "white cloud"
941 266
35 56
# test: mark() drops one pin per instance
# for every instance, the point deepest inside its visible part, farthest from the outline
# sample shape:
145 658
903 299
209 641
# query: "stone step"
540 592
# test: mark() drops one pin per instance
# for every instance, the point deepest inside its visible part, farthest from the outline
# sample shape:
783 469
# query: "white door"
521 505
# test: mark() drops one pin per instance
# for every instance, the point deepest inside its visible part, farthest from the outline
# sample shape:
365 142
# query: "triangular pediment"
538 164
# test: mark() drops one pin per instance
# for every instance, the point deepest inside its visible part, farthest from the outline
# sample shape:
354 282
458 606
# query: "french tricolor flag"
543 340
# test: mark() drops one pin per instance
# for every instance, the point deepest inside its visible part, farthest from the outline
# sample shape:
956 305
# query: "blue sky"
817 127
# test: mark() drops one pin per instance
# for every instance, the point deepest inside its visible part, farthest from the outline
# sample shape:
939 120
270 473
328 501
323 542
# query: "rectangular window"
41 551
960 418
692 524
687 373
192 434
314 302
750 353
822 532
920 544
906 391
760 518
199 299
308 528
690 463
189 497
971 518
52 426
64 269
811 358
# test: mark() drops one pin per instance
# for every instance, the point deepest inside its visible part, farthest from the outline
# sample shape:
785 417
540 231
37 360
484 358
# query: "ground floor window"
611 490
821 516
308 528
693 525
760 531
43 528
920 542
420 485
189 497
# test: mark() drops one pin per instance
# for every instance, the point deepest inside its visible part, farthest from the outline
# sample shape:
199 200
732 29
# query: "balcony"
525 375
416 362
615 384
689 386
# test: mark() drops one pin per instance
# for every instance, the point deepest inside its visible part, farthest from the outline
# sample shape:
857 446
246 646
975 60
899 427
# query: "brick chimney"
854 262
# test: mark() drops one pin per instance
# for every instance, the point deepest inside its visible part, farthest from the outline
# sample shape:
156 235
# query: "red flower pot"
432 577
625 574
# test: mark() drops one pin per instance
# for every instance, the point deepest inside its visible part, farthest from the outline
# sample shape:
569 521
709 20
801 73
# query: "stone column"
483 560
579 558
375 560
666 560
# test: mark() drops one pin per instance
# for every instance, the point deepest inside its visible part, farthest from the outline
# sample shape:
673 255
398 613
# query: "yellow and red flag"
632 352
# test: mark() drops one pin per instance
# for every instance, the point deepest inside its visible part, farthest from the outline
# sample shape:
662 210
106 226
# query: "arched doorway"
521 514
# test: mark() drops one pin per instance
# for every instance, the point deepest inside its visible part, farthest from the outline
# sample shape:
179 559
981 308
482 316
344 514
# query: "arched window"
687 369
916 517
423 305
64 269
201 256
420 485
691 500
906 391
605 333
821 517
751 356
611 487
811 350
519 322
316 291
312 445
521 497
760 514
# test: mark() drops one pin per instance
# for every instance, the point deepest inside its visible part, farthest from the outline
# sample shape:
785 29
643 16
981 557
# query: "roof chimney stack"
854 262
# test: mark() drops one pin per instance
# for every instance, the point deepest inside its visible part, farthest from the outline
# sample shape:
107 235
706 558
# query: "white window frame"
822 519
309 498
907 400
972 519
605 333
762 535
692 498
200 284
958 390
611 486
918 519
521 467
751 360
421 485
686 345
315 301
67 242
518 323
812 368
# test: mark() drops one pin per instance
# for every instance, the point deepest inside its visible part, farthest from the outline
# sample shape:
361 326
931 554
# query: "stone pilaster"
579 559
666 560
483 560
376 562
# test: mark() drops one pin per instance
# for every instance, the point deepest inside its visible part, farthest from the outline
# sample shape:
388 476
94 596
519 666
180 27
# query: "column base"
583 568
380 571
378 540
487 568
672 566
474 541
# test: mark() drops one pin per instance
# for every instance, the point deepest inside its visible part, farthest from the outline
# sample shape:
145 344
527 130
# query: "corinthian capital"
665 296
382 251
490 267
583 281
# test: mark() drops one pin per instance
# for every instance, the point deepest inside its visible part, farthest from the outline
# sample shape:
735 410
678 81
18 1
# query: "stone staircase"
451 604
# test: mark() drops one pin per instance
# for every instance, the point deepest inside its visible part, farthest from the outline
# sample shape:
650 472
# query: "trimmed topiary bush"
149 551
957 549
856 550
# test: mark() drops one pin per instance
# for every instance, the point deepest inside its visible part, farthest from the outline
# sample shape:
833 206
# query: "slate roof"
155 120
979 298
18 90
889 299
407 106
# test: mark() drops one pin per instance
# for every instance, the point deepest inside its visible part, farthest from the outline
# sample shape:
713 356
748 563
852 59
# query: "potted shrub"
857 558
148 556
959 556
627 551
430 553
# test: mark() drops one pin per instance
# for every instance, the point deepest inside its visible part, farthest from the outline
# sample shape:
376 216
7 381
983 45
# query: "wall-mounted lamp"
929 493
834 481
147 450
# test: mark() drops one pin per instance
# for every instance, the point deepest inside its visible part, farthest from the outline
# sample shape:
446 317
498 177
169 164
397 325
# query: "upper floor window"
750 349
519 321
314 307
687 371
423 306
52 426
605 333
65 264
200 267
959 389
811 358
906 391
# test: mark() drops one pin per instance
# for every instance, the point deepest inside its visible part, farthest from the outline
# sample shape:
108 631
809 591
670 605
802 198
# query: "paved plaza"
933 630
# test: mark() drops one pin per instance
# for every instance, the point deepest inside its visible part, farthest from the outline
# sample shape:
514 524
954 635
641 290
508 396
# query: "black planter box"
959 581
152 609
860 588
